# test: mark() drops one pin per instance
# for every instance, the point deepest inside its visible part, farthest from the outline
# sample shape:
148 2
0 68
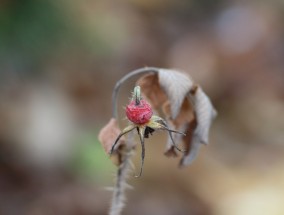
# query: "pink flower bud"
139 114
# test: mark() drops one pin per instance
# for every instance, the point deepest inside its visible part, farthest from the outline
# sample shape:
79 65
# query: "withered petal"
185 115
205 113
125 131
108 135
176 85
193 152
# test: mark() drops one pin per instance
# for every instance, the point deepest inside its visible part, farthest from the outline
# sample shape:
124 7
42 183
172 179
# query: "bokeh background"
59 62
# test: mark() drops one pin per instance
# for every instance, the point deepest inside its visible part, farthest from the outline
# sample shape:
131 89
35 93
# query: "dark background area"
59 61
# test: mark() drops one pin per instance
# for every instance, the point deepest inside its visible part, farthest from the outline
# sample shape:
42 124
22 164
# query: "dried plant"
187 110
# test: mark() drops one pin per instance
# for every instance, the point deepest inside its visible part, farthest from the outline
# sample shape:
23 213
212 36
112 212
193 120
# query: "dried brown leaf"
187 107
108 135
188 142
193 152
205 113
181 123
176 85
151 90
185 115
198 131
190 128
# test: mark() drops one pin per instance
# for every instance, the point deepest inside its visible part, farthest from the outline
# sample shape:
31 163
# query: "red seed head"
139 113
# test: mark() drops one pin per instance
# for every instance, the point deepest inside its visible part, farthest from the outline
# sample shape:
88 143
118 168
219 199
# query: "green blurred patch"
30 30
90 160
34 33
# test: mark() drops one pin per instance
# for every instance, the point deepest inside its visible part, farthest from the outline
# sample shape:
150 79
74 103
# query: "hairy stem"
118 197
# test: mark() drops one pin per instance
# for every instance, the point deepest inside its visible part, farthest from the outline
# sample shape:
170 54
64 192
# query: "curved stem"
122 80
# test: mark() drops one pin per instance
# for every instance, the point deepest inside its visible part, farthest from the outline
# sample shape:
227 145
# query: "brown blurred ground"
59 63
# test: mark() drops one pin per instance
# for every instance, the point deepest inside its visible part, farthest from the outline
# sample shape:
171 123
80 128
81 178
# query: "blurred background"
59 61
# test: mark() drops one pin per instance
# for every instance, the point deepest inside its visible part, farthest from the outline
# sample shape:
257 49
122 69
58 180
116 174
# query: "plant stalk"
118 198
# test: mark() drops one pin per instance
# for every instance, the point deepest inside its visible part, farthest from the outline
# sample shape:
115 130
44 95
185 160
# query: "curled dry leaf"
185 114
190 156
166 85
108 134
176 85
205 113
107 137
187 107
189 143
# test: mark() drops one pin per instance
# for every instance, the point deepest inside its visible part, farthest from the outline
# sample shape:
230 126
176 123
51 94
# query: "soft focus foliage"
59 62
